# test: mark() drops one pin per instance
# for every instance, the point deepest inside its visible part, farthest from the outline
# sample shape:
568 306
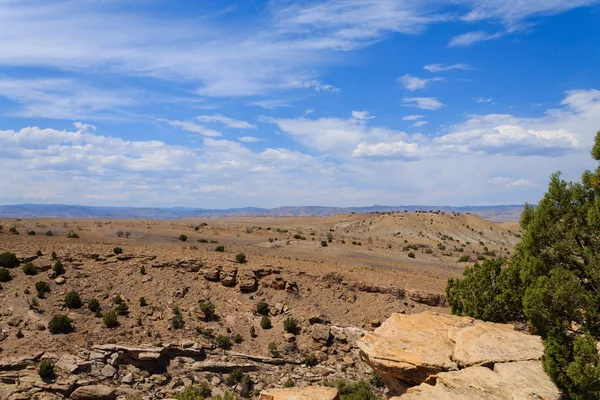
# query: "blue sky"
221 104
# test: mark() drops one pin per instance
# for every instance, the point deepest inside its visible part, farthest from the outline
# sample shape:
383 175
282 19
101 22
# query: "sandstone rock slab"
306 393
93 392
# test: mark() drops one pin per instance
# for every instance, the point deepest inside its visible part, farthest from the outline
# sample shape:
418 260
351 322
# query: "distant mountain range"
498 213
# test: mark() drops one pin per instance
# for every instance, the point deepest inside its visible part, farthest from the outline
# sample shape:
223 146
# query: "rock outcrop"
409 350
307 393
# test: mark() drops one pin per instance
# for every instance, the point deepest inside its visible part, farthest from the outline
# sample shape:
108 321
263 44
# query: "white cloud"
445 67
509 182
420 123
424 103
270 104
484 100
191 127
228 122
412 117
470 38
362 115
250 139
394 149
412 83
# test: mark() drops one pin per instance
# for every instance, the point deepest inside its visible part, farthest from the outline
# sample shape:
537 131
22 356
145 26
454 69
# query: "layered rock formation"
456 357
307 393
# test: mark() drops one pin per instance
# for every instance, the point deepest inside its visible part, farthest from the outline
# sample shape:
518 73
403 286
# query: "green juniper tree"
552 281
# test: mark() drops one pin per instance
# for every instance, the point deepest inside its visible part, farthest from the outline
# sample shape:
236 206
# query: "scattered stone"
93 392
60 280
306 393
128 379
108 371
321 333
212 274
228 278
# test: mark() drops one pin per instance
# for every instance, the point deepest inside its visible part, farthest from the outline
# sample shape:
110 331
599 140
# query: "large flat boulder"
407 350
306 393
93 392
507 381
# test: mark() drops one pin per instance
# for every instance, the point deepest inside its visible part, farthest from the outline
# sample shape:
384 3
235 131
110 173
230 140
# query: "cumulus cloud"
362 115
425 103
393 149
412 83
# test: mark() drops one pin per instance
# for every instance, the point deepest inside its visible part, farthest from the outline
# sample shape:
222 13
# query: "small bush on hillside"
58 268
9 260
31 233
290 325
53 255
411 255
202 241
142 270
195 392
143 302
253 332
224 342
60 323
42 288
182 238
289 383
273 349
353 391
262 308
241 258
311 360
118 250
110 319
323 243
49 233
234 377
208 333
177 321
246 386
72 300
5 275
46 369
122 308
94 305
237 338
376 381
39 253
464 258
265 322
13 230
196 228
72 235
220 249
208 308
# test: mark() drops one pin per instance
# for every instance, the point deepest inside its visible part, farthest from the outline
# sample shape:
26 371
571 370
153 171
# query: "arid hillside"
337 276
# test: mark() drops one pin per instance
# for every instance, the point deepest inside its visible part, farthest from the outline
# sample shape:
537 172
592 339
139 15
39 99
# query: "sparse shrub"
465 258
206 332
297 237
376 381
110 319
262 308
29 269
118 250
5 275
182 238
224 342
323 243
60 323
31 233
9 260
220 249
177 321
53 255
265 322
290 325
13 230
353 391
142 270
246 386
253 332
122 308
202 241
42 287
311 360
58 268
241 258
39 253
49 233
196 228
72 300
225 396
19 334
429 251
480 257
273 349
234 377
195 392
72 235
411 255
143 302
208 308
289 383
94 305
237 338
46 369
119 233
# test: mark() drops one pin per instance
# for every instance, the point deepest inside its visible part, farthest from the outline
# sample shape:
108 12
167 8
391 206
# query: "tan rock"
93 392
507 381
411 349
247 281
321 333
228 277
306 393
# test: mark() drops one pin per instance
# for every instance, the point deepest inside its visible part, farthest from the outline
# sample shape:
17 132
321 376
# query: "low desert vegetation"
9 260
60 324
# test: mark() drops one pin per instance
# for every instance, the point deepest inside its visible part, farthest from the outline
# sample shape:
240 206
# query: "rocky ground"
307 269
